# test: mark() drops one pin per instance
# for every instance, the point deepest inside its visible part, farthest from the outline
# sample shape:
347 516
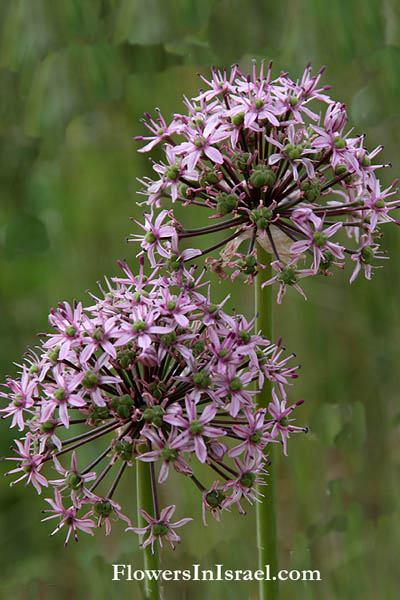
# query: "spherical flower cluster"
274 162
155 372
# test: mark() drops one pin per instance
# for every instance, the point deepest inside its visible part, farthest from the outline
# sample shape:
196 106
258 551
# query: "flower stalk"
266 518
145 501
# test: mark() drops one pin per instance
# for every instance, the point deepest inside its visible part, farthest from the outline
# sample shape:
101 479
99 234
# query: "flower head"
157 373
270 171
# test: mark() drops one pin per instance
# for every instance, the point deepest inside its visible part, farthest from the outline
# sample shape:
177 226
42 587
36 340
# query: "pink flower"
68 517
159 528
194 428
281 422
30 465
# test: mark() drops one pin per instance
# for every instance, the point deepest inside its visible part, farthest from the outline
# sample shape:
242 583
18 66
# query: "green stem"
145 501
266 511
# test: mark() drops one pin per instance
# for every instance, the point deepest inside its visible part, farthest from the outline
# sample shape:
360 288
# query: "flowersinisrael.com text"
217 573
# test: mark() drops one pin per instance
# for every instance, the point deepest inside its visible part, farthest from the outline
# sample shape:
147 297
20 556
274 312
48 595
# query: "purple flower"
30 465
266 176
68 517
160 528
156 372
281 422
194 428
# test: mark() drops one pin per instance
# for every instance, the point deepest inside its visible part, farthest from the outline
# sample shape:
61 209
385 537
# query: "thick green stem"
266 511
145 501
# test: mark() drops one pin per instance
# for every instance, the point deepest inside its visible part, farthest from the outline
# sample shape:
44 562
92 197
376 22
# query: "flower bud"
215 498
339 142
367 254
202 379
235 384
103 508
319 239
262 176
238 119
196 427
159 529
247 479
172 172
70 331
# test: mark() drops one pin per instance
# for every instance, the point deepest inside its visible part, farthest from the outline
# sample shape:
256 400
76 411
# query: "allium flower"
272 172
68 517
160 527
151 371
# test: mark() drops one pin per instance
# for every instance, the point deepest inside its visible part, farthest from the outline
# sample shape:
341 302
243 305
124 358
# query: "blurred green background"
75 78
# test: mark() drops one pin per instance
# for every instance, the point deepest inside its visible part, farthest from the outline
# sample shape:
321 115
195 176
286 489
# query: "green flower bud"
213 308
288 276
171 304
326 262
199 143
138 326
226 203
47 427
124 449
293 100
294 153
319 239
235 384
367 254
366 161
238 119
53 354
247 479
70 331
284 421
148 414
259 103
159 529
59 394
174 262
245 336
380 204
340 169
34 369
168 455
215 498
172 172
90 380
339 142
103 508
97 334
150 237
201 379
73 480
18 400
139 294
209 177
198 348
169 338
157 390
196 427
256 437
262 177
